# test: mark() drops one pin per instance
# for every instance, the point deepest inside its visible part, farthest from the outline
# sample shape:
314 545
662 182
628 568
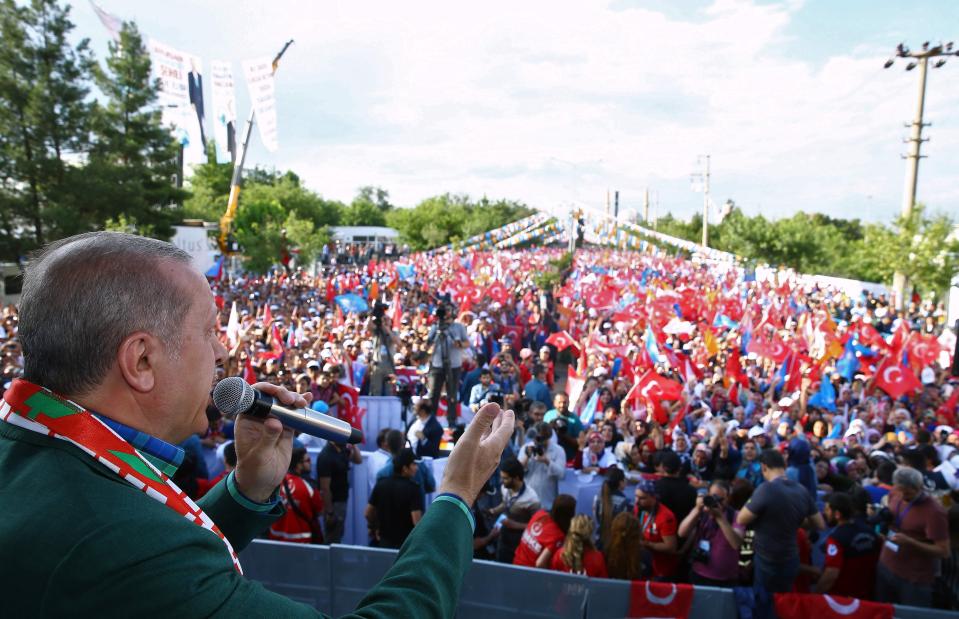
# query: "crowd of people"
771 434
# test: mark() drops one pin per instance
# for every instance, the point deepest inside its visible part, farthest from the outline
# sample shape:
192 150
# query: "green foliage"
815 243
451 218
369 208
133 157
44 121
555 274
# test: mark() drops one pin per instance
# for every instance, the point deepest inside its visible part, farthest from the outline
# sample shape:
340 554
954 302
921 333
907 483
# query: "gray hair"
907 477
84 294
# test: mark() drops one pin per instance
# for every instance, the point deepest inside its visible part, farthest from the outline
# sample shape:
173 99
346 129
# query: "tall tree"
44 113
134 156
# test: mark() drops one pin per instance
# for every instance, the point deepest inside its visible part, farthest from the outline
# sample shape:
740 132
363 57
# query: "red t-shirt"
803 581
654 528
541 533
291 527
593 563
853 549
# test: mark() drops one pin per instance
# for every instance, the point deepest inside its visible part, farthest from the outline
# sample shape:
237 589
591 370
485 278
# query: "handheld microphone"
233 396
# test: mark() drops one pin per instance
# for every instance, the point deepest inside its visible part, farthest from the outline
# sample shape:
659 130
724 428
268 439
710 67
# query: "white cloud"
549 102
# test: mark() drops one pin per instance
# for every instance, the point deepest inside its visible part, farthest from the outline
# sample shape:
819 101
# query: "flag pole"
226 222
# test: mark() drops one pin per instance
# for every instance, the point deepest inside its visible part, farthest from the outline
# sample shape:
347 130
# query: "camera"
882 520
441 312
378 311
495 397
710 502
700 555
534 450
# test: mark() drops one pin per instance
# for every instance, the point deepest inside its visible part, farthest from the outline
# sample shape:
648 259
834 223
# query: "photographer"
545 463
485 391
384 343
919 540
715 538
448 339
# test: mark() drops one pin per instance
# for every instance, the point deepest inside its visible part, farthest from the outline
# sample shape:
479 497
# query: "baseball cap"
755 431
313 364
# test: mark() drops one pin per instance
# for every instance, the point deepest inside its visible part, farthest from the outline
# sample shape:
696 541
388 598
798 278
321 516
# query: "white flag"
176 71
224 110
259 80
110 21
233 327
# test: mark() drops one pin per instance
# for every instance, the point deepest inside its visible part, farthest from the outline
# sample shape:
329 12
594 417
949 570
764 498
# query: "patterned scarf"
37 409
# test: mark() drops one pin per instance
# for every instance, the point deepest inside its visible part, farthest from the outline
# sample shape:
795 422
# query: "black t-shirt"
335 464
780 506
394 498
676 494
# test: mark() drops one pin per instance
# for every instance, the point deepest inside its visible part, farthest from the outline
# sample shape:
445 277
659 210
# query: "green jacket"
76 540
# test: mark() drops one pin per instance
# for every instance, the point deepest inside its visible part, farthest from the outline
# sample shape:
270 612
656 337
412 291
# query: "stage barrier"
335 578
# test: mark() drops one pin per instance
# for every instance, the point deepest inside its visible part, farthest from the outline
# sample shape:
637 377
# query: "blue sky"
554 103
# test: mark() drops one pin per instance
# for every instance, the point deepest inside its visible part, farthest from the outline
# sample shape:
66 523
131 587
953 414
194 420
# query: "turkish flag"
396 310
515 333
443 406
249 374
868 335
734 368
467 296
601 299
923 350
948 408
349 409
498 292
659 600
805 605
691 371
607 349
655 388
574 386
561 340
900 338
406 375
895 379
757 346
777 350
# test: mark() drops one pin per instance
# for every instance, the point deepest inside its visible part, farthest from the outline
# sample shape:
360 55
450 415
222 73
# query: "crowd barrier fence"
333 579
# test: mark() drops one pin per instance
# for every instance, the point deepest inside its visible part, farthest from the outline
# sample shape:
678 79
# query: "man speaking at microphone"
120 349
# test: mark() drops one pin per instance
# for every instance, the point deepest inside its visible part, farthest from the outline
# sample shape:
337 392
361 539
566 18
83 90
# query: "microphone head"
233 395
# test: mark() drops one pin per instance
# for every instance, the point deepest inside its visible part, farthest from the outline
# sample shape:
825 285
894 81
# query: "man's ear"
137 358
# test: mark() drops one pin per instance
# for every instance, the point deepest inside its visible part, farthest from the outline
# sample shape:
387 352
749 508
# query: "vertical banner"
259 80
224 110
174 68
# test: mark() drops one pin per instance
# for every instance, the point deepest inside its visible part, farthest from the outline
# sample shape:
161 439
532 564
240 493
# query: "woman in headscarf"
800 467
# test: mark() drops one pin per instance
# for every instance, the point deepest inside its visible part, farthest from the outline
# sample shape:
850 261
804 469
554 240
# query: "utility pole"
704 178
918 58
646 207
706 206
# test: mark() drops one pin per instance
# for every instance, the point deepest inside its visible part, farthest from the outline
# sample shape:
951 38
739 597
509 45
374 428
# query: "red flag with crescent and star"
895 379
655 600
562 340
805 605
349 409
